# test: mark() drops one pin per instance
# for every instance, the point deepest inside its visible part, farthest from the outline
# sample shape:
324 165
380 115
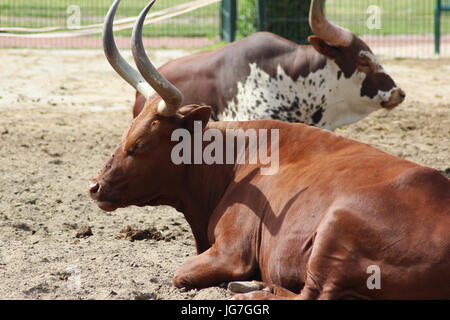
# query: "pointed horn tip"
116 60
141 18
149 5
316 13
171 97
326 30
114 6
109 18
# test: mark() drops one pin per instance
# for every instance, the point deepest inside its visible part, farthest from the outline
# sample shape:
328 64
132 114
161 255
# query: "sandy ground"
61 115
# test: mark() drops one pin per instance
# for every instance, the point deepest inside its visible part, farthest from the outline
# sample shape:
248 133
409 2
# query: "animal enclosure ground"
62 114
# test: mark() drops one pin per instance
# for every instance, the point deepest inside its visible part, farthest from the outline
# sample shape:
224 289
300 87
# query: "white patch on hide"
324 98
386 95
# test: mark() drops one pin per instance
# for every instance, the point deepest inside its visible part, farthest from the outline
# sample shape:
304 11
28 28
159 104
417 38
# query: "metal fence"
394 28
402 28
77 23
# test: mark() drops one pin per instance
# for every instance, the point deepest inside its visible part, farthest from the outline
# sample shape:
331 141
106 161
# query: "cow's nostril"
94 187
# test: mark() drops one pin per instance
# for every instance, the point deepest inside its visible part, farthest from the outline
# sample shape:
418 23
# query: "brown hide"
334 208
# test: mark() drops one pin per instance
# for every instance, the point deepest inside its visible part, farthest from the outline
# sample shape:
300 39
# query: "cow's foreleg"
214 266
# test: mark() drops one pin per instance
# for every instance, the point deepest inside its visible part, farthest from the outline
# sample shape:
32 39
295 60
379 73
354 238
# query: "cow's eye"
132 151
364 64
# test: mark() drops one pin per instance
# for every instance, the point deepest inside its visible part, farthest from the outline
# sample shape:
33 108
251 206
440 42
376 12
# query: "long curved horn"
169 93
325 30
117 61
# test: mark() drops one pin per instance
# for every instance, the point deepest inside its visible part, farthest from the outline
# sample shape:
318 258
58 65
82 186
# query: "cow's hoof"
181 281
245 286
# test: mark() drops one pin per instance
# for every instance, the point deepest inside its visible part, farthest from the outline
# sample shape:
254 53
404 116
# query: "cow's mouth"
397 97
111 206
107 206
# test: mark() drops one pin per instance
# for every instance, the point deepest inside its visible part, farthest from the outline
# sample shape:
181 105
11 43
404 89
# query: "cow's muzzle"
95 189
397 97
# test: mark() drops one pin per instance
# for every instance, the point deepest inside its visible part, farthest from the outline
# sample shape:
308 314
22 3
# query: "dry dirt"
61 115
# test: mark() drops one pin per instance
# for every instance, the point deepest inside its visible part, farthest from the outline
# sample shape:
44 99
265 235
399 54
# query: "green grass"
398 16
45 13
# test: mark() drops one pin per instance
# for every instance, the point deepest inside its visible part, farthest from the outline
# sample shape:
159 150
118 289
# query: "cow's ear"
324 48
196 114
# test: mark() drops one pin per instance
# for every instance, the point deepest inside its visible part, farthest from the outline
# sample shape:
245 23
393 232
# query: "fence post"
261 15
287 18
437 27
228 20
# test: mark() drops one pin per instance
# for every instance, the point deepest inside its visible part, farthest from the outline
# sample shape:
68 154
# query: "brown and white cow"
334 210
332 82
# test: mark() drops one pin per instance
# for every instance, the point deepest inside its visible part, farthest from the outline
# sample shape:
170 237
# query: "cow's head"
141 171
352 55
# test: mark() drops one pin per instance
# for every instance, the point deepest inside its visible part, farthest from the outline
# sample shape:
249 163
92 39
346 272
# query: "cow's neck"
344 103
205 185
202 190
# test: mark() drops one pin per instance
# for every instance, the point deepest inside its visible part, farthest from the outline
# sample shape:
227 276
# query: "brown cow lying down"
329 214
